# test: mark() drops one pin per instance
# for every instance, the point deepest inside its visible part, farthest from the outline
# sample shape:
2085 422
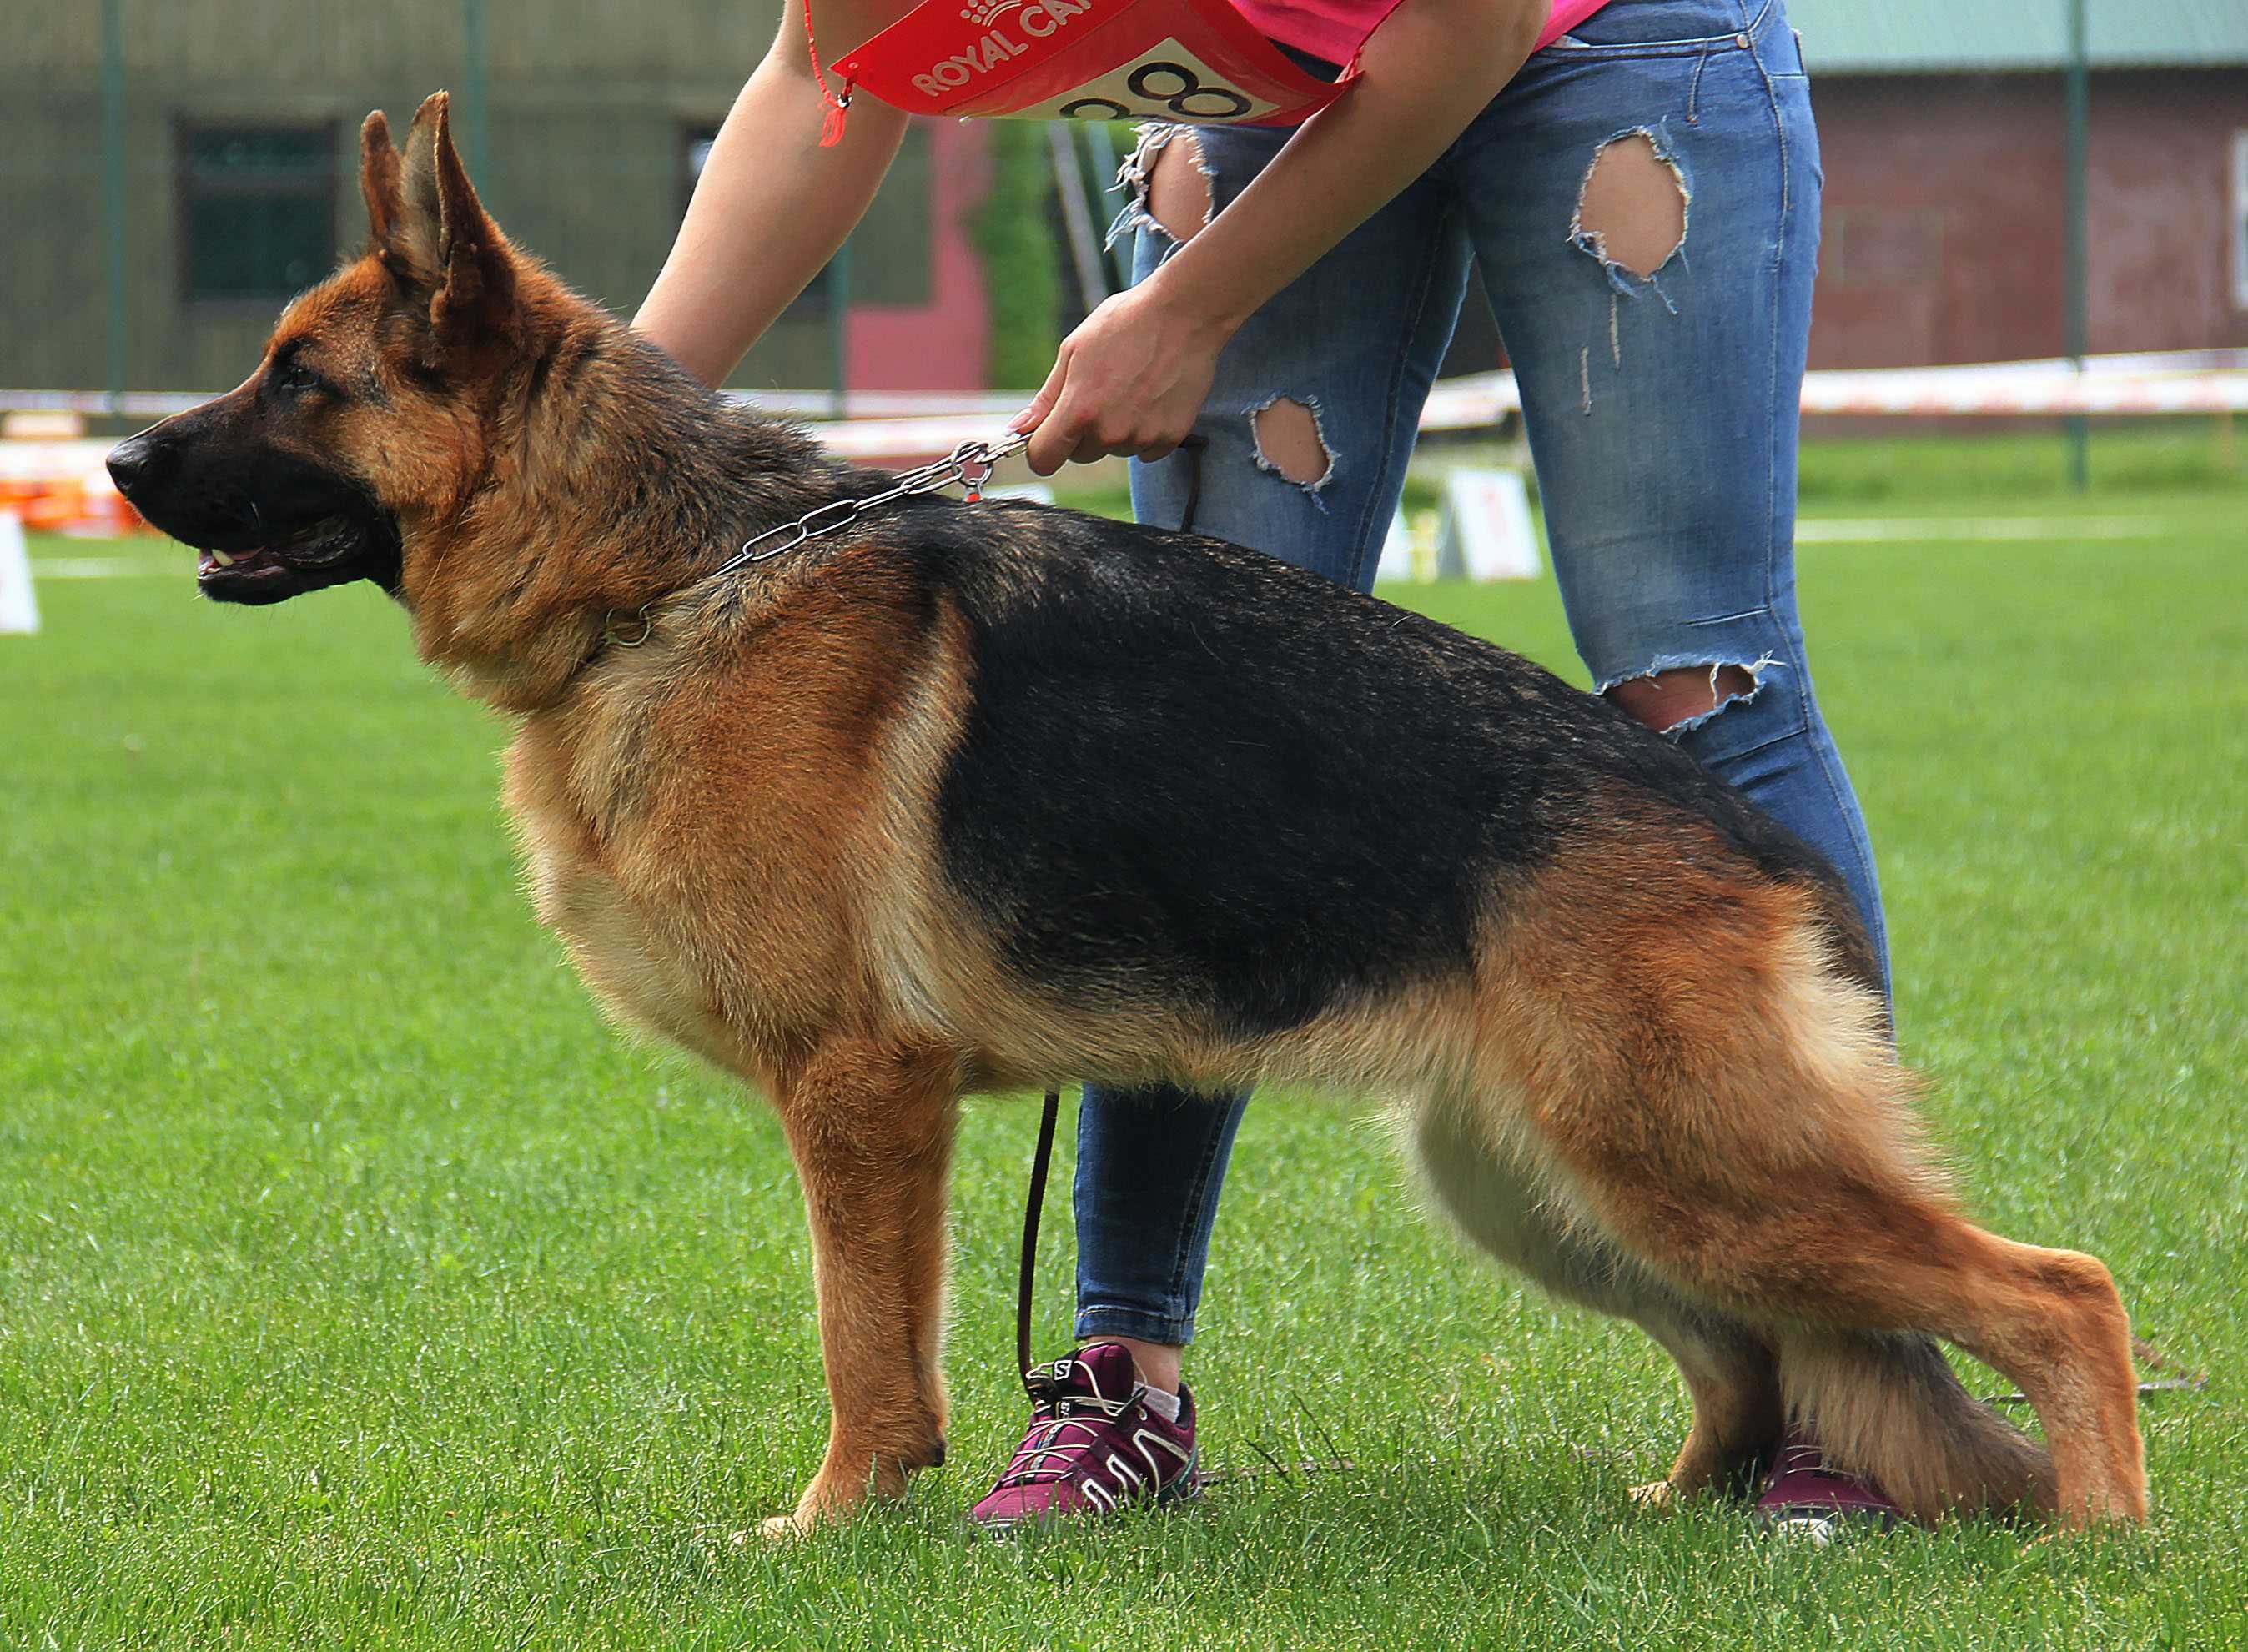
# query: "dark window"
695 141
258 211
891 250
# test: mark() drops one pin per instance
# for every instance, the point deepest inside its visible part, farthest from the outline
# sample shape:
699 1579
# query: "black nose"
132 462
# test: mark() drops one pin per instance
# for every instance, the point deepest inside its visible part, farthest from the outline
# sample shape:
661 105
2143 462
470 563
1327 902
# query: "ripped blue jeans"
1662 414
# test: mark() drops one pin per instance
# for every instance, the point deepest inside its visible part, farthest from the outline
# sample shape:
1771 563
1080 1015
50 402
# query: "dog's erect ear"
438 240
379 181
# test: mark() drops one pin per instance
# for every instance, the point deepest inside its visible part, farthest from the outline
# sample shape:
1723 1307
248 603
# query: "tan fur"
1891 1409
1661 1088
1728 1124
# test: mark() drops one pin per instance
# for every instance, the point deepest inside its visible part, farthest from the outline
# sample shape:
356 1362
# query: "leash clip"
611 633
973 463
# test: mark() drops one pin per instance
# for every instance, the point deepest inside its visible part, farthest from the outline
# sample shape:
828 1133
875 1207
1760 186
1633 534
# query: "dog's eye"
297 379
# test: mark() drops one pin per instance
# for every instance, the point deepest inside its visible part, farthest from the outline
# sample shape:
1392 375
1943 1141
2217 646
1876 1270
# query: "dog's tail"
1889 1408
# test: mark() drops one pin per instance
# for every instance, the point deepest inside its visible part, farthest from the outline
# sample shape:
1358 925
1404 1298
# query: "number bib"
1196 61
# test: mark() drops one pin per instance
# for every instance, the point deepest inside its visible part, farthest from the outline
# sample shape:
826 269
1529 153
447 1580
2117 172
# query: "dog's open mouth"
325 551
228 567
316 545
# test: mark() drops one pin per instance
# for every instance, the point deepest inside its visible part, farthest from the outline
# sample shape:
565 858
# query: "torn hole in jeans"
1632 207
1161 196
1290 442
1676 696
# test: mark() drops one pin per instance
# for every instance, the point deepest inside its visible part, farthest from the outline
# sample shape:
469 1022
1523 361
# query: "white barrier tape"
2000 390
2102 394
1951 531
919 423
1483 400
2166 381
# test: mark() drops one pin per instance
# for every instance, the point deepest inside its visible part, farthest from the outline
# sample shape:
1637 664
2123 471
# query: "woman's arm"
1131 378
769 211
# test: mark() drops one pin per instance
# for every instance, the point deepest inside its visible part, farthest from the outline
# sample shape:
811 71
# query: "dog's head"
367 417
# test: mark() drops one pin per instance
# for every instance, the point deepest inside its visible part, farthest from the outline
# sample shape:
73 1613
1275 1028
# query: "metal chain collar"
970 465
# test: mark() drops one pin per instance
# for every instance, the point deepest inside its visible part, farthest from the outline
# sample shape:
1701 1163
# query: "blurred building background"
169 172
1944 125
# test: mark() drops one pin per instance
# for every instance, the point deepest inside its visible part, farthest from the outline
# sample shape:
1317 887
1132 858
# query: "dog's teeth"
221 559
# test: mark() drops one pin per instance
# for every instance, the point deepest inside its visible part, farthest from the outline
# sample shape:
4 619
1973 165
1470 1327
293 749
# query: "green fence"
170 172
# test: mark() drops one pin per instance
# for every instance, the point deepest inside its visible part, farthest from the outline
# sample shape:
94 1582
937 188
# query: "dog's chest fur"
577 789
700 824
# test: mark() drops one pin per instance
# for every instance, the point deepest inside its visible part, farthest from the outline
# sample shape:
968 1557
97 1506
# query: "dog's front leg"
871 1128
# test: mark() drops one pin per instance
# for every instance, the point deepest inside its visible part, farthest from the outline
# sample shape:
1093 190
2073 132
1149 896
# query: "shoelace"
1797 1458
1804 1459
1029 1467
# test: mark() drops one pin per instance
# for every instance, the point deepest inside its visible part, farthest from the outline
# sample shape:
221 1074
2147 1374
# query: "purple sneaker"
1092 1446
1804 1497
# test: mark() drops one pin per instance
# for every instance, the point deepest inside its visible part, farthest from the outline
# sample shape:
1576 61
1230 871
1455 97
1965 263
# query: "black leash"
1043 1159
1192 447
1038 1199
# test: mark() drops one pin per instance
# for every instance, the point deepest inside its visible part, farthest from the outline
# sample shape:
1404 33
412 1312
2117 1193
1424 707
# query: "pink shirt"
1336 29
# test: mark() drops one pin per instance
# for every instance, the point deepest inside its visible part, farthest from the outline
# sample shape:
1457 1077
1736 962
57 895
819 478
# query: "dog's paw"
772 1532
1656 1497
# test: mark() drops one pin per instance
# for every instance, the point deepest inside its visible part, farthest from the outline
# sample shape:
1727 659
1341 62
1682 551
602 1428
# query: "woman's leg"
1308 427
1644 199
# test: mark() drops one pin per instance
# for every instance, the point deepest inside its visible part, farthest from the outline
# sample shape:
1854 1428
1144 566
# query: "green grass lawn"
358 1285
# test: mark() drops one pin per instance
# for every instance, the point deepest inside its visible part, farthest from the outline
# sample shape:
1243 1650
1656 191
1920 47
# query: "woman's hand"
1132 378
1129 380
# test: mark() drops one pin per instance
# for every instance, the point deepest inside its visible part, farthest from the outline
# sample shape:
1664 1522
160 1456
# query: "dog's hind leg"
1513 1212
1842 1269
1740 1129
871 1130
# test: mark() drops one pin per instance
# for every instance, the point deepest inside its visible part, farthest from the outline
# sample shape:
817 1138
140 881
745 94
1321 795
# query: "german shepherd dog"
972 796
